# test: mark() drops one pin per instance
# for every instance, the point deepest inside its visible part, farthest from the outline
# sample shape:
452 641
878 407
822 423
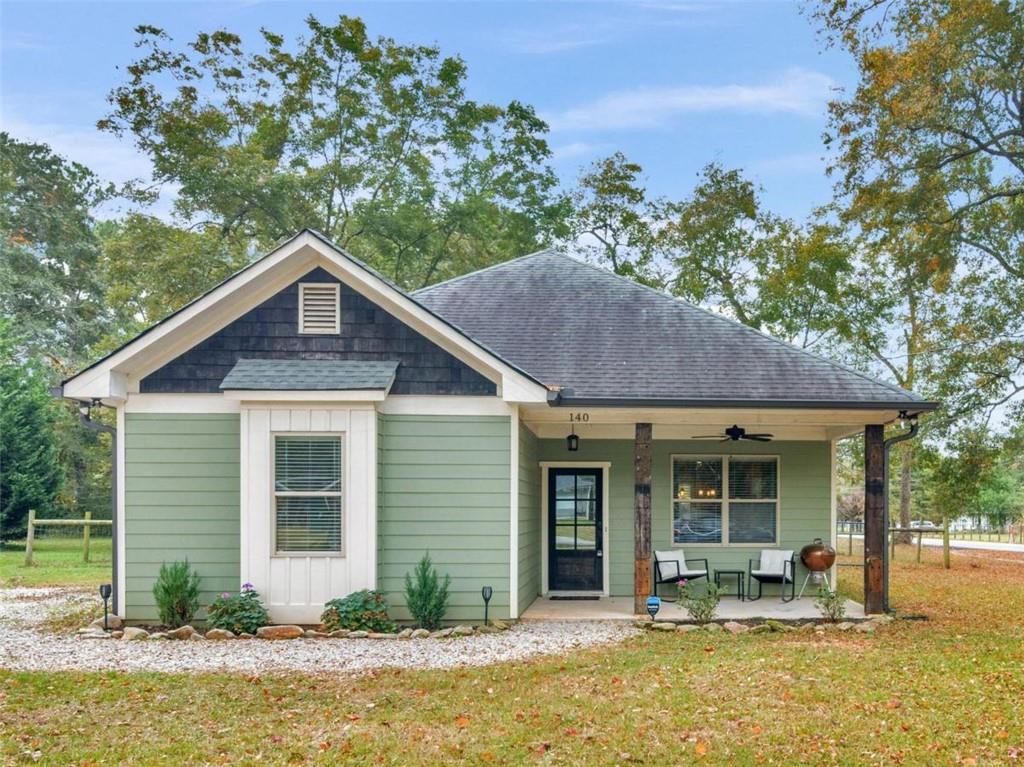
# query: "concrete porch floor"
730 608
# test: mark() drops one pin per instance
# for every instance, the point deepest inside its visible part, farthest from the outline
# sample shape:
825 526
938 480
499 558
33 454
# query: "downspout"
886 446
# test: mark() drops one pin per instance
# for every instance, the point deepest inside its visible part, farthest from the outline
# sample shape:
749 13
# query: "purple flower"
248 587
682 582
225 595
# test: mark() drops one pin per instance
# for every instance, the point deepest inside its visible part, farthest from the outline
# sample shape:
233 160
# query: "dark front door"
574 530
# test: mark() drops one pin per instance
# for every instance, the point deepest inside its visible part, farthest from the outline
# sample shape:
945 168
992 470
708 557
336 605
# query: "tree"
722 248
613 222
931 143
369 141
30 473
50 282
152 268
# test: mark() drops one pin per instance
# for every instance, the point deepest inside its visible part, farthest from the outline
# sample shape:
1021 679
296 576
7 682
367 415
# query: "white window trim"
725 500
340 494
303 286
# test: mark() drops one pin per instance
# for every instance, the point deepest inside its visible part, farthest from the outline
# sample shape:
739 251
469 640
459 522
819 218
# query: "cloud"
575 149
543 42
795 91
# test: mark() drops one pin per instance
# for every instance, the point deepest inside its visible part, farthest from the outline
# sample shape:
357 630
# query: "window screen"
307 494
753 499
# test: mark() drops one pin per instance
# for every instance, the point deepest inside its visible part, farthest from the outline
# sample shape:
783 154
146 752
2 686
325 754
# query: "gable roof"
608 340
113 376
310 375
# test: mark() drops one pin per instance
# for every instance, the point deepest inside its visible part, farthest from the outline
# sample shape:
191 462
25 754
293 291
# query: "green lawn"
943 691
58 562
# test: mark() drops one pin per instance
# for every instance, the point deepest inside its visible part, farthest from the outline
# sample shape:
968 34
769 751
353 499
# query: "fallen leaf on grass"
462 721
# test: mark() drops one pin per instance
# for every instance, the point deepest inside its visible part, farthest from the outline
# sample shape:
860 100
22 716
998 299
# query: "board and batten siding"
181 502
804 486
444 488
529 519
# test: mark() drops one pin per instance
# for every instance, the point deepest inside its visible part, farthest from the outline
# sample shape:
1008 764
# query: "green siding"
444 488
804 487
529 519
181 501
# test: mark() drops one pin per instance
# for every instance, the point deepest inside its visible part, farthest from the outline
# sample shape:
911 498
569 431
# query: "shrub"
176 592
832 606
425 595
242 613
360 611
701 607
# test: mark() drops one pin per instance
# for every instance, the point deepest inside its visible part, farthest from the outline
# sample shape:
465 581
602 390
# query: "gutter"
565 398
886 447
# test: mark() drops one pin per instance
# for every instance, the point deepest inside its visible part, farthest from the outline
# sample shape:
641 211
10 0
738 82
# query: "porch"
729 609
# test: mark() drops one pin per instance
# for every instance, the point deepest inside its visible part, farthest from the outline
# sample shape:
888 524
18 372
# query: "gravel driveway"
24 646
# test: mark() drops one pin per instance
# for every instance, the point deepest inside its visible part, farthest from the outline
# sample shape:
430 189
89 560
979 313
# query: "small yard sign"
653 605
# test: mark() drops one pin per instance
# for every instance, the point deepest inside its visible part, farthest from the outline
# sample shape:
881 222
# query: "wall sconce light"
486 592
572 442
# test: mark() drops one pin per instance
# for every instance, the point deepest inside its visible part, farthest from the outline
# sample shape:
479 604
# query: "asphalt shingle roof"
573 325
310 375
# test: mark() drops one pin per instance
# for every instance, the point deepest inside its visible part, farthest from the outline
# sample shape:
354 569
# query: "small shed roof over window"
310 375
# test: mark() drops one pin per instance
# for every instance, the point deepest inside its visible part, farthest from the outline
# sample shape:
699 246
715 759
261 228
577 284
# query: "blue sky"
672 84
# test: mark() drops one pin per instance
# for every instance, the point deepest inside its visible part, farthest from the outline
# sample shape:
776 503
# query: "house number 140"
579 417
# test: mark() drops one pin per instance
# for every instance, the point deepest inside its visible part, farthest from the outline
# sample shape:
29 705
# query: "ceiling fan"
736 433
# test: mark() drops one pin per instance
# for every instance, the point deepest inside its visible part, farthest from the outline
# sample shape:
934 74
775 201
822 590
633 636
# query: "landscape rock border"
862 626
279 632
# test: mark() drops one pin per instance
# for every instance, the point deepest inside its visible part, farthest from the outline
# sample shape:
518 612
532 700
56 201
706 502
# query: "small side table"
739 575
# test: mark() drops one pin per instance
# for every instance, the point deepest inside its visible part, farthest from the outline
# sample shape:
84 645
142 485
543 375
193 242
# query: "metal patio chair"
773 566
672 566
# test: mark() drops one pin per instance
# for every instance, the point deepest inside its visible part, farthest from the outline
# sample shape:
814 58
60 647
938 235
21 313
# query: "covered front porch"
604 489
729 609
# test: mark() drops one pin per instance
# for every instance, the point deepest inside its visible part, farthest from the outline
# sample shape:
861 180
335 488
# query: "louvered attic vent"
319 308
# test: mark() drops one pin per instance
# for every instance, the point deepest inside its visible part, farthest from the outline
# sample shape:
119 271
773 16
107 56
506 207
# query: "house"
310 428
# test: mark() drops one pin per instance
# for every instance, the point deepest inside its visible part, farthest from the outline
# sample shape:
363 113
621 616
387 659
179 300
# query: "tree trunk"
906 468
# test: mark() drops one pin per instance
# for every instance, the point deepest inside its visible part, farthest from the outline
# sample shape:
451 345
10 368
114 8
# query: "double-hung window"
308 494
725 500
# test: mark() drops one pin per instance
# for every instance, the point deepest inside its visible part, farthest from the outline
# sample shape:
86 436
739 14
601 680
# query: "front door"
574 530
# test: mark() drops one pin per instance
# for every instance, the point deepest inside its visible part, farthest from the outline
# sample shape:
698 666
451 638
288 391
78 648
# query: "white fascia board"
289 262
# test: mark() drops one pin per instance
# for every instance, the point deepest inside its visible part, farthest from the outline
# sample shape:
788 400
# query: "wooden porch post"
642 517
874 519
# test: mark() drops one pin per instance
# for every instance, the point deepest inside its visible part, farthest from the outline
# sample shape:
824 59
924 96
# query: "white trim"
266 277
334 288
725 500
443 404
513 573
319 395
606 470
122 576
181 403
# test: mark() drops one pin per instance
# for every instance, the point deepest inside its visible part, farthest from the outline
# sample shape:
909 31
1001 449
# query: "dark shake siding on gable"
271 331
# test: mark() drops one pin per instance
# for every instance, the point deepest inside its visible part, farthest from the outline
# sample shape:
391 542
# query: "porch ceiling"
678 423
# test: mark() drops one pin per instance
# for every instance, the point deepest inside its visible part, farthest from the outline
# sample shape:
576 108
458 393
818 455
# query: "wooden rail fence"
86 525
893 531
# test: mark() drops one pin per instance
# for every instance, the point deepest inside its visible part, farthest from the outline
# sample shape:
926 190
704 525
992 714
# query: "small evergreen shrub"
832 606
360 611
425 595
701 607
242 613
176 592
